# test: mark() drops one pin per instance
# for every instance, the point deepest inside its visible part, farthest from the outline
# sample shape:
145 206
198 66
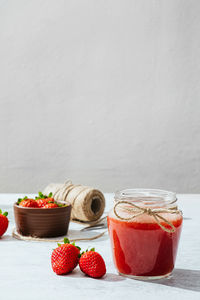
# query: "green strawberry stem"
67 241
87 250
4 214
21 199
42 196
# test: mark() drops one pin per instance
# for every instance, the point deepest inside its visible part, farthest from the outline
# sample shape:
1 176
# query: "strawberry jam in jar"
144 228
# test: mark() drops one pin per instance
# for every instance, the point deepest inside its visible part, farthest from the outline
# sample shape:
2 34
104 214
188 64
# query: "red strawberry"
49 199
92 264
28 203
65 258
41 202
50 205
3 222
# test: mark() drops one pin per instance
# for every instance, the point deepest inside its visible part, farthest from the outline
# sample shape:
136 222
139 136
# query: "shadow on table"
7 237
110 277
183 279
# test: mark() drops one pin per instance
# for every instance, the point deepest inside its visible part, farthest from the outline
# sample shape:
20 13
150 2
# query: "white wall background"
103 92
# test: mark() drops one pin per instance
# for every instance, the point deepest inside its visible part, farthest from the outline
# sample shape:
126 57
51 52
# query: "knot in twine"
136 211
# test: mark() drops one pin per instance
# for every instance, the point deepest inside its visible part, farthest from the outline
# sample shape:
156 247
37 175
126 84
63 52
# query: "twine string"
19 236
136 211
81 199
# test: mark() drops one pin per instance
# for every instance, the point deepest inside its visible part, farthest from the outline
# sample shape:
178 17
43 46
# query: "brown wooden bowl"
42 222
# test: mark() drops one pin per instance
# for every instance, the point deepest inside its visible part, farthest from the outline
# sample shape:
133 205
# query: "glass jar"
144 228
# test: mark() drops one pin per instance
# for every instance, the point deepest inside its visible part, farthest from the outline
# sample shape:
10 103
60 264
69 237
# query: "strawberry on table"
3 222
92 264
65 257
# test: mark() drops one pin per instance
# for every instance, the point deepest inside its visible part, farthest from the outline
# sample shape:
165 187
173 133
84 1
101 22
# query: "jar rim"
140 195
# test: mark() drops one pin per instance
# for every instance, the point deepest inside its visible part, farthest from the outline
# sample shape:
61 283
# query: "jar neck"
146 197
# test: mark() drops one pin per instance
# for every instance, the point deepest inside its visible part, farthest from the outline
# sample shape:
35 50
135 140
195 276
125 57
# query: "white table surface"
26 274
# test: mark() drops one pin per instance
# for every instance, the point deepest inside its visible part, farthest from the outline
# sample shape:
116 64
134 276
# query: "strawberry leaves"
87 250
21 199
42 196
48 199
4 214
67 241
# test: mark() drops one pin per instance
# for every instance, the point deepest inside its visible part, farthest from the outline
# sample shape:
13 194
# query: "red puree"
144 249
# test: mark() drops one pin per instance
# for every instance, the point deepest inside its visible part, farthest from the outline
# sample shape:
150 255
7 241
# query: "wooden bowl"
42 222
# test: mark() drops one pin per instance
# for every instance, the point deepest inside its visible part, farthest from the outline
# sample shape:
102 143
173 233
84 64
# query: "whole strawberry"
65 257
50 205
41 202
92 264
3 222
28 203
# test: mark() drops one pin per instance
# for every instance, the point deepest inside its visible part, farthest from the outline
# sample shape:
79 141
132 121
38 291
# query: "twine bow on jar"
136 211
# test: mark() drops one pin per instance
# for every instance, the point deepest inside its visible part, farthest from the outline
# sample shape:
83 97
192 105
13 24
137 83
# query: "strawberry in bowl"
42 216
26 202
43 200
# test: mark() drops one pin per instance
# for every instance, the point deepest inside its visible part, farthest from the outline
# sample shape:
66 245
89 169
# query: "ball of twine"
88 204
